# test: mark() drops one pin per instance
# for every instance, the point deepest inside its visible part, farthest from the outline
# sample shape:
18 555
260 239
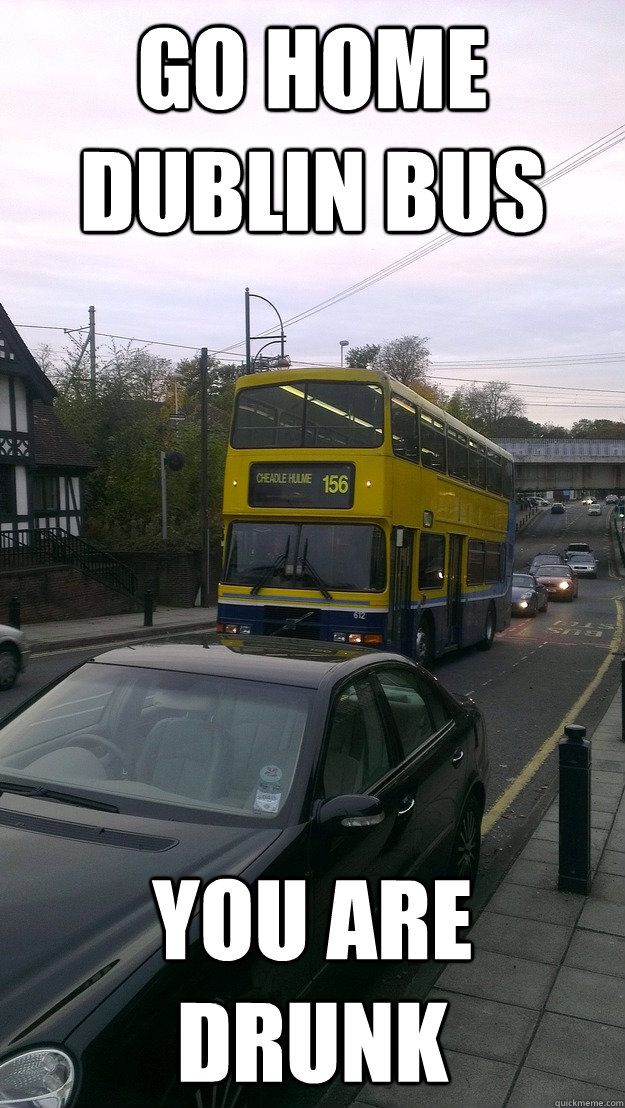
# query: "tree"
127 423
485 406
598 429
434 393
406 359
360 357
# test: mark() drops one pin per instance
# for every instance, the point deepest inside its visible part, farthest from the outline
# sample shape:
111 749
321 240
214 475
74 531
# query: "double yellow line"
543 752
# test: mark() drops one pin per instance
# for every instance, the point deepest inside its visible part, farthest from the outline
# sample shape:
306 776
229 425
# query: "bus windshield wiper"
278 563
306 566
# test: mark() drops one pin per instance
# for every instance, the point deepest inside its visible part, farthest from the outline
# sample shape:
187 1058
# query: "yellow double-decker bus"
357 512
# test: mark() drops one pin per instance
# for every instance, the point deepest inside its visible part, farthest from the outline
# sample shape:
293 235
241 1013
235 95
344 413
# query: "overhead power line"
567 165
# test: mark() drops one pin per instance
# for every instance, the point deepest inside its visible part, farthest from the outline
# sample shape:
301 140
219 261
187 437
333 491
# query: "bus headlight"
37 1079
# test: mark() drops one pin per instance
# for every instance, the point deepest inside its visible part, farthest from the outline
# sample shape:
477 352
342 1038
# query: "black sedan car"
258 760
529 596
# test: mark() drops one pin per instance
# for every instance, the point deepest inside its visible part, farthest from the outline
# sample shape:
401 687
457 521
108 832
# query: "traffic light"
174 461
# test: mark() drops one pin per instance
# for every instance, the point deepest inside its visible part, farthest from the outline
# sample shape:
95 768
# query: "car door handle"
457 758
408 805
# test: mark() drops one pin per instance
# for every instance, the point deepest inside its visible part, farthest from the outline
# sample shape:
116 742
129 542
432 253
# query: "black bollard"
574 853
15 619
148 608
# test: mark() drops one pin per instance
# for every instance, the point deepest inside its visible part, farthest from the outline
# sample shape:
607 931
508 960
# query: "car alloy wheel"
424 644
465 855
9 668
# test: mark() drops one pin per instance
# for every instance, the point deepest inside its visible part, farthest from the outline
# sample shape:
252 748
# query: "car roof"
277 660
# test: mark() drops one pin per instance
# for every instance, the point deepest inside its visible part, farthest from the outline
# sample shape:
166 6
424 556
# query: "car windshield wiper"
307 566
45 793
278 563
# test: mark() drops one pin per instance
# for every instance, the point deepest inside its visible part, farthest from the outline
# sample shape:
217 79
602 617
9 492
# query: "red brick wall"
59 592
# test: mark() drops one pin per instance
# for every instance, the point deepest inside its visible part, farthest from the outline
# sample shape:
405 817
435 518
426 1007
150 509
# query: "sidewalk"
537 1018
65 634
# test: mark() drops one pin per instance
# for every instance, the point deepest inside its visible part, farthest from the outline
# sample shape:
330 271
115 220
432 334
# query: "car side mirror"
350 811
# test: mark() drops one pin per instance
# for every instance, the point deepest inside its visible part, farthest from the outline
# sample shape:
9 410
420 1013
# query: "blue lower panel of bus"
304 622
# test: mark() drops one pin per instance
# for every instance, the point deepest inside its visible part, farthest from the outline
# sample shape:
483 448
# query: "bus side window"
431 561
405 430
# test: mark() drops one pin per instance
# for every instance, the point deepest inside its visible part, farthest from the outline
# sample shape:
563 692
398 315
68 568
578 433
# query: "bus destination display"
317 485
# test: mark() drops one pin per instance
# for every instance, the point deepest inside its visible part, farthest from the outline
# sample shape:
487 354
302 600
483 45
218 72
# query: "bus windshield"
320 556
312 414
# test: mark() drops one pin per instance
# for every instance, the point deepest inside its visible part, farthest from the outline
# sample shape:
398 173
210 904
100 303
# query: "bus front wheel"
490 626
424 644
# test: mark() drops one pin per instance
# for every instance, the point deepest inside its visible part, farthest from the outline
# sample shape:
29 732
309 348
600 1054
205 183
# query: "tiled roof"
53 445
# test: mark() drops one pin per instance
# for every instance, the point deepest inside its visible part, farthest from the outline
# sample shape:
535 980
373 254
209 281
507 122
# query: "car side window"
357 751
416 707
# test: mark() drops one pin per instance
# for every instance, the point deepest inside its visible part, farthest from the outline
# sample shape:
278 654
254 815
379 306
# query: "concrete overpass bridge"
589 465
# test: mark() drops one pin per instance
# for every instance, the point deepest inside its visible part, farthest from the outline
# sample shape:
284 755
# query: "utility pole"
248 342
204 538
92 348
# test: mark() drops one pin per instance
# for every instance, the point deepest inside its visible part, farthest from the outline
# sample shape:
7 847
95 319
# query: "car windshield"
523 580
194 741
555 571
581 559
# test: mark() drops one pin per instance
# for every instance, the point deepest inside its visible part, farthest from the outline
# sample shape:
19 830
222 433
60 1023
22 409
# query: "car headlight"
37 1079
564 584
523 603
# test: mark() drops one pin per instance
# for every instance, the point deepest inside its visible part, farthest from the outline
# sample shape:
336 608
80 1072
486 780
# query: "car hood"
77 912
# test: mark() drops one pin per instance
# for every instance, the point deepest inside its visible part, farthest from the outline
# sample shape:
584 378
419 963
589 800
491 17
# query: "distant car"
577 548
540 502
611 498
557 509
583 565
544 560
260 760
14 655
559 580
594 510
588 500
529 597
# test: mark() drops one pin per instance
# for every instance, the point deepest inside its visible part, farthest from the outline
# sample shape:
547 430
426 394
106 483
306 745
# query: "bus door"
399 636
454 591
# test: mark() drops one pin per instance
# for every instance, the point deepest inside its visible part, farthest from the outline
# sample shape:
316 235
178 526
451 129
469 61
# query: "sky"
543 311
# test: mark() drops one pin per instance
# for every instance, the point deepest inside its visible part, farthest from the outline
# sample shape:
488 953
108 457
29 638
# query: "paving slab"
600 915
475 1083
535 1089
613 861
579 1049
541 875
607 886
589 995
597 951
527 938
541 904
469 1027
500 977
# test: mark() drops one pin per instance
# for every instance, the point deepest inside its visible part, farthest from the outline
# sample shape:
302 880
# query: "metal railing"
30 547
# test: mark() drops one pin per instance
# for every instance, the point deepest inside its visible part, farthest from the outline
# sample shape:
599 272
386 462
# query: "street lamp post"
343 343
249 337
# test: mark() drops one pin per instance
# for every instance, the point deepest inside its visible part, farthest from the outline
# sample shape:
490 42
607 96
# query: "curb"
42 646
